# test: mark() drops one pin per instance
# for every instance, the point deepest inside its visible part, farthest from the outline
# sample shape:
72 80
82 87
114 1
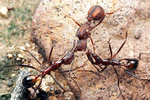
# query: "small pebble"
13 75
27 44
52 88
23 60
10 56
10 84
8 89
3 11
68 94
20 56
18 59
1 47
22 48
137 36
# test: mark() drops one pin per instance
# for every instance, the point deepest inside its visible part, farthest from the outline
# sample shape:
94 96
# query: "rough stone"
50 27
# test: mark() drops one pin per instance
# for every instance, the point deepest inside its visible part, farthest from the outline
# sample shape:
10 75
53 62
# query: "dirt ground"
15 29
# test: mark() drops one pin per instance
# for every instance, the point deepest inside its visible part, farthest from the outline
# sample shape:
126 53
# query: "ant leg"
110 13
50 53
115 10
72 69
74 45
34 58
99 65
92 62
110 47
73 79
81 70
118 82
38 84
131 74
92 44
90 58
98 23
57 82
90 71
103 68
119 48
141 55
97 68
73 20
28 66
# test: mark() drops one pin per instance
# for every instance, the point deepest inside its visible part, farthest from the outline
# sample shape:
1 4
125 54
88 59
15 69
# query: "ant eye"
29 81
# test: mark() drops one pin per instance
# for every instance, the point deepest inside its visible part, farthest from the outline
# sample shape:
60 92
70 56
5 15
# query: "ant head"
132 63
68 57
29 81
95 13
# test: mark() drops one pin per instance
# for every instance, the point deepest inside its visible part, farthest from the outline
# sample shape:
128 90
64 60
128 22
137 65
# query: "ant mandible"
95 13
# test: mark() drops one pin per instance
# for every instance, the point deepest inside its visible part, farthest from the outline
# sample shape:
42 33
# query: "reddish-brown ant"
68 57
95 13
96 60
30 80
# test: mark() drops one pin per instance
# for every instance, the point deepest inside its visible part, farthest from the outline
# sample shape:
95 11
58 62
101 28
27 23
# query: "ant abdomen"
95 13
68 58
29 81
132 63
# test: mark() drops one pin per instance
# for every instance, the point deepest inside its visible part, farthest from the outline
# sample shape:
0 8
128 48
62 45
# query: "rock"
10 56
18 59
18 92
20 55
3 11
50 27
10 84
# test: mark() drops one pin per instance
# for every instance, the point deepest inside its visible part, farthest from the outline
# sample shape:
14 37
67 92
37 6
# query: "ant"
30 80
96 60
95 13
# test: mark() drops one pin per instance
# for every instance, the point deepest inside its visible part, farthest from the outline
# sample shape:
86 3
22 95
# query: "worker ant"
96 60
30 80
95 13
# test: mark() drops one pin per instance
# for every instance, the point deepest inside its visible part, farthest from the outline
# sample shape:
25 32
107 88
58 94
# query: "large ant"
96 60
95 13
68 57
30 80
